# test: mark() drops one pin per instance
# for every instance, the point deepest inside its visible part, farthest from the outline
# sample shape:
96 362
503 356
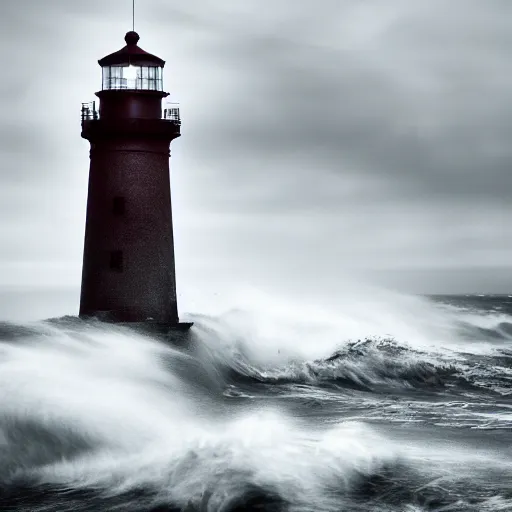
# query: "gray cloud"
320 138
432 116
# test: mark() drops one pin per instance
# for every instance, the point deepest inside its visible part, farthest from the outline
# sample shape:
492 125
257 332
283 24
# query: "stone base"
175 334
158 326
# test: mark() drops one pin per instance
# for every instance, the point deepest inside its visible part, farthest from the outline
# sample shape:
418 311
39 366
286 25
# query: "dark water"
374 406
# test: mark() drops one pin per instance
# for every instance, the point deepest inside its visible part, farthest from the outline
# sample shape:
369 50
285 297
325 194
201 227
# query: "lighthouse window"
118 206
133 77
116 261
113 78
150 78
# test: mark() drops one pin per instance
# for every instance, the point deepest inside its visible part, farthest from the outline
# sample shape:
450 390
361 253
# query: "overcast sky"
320 139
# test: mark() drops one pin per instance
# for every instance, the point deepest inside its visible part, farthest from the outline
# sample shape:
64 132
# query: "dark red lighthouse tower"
128 267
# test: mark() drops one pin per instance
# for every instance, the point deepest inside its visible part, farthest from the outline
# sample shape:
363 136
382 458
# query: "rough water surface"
367 408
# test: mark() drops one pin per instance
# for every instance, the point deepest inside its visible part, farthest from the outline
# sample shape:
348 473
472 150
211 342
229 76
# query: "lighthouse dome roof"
131 54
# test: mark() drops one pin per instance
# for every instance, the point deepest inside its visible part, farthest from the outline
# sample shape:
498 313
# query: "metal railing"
89 112
170 113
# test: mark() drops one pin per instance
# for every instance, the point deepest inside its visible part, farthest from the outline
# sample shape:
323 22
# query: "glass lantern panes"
147 78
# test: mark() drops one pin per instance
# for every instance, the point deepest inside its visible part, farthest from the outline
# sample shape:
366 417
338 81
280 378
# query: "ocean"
366 406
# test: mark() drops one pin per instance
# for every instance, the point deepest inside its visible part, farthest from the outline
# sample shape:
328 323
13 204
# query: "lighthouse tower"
128 267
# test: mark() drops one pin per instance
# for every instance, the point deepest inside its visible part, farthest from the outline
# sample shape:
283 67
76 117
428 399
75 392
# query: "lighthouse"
128 271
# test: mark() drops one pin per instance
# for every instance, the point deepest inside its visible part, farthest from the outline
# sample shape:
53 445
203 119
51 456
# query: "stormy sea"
374 405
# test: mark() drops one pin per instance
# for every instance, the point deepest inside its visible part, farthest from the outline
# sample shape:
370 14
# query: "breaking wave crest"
454 351
369 365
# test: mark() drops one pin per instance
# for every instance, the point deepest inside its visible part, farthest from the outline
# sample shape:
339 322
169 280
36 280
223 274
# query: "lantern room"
131 68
